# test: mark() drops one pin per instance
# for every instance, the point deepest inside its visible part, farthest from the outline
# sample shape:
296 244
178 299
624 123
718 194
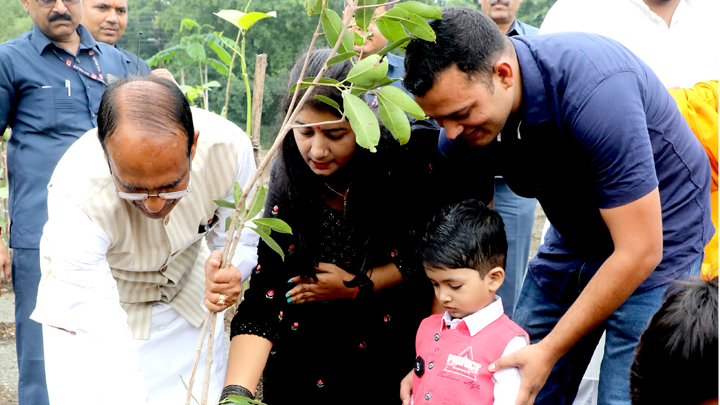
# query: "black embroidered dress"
349 351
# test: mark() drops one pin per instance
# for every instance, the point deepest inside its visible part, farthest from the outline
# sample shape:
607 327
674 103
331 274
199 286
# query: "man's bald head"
154 104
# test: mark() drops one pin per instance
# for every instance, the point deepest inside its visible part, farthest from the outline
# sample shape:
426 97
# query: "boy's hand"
406 388
535 364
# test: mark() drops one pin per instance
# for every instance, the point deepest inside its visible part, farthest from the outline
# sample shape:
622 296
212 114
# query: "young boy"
676 360
464 253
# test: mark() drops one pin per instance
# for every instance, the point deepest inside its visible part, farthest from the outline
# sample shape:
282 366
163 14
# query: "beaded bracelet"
238 390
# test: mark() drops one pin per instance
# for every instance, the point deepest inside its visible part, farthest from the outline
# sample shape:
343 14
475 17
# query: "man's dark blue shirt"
46 117
135 65
597 129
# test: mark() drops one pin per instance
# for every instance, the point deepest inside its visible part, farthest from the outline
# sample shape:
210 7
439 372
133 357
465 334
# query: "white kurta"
682 54
99 362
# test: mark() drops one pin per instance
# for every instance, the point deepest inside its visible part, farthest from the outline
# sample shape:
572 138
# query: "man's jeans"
538 313
518 215
32 389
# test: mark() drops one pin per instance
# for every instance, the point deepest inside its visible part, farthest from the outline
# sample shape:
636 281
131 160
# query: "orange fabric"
699 106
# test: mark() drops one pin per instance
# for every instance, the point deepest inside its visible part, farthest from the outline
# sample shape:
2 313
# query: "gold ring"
221 300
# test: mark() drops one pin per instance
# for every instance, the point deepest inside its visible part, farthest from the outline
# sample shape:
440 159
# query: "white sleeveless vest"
154 260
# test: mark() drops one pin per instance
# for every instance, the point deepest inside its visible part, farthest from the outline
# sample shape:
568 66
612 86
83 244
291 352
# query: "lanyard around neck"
97 77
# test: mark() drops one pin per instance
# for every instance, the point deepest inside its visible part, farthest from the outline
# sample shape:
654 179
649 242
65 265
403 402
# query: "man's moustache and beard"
505 2
58 17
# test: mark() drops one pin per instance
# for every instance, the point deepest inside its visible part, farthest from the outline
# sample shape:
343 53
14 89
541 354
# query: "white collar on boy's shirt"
477 321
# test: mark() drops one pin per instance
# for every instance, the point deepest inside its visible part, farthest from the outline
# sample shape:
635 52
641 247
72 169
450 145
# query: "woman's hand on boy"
329 285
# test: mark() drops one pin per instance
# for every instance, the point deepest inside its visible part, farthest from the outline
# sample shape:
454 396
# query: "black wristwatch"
363 285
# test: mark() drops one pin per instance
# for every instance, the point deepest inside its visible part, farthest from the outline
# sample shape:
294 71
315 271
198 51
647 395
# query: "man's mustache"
505 2
56 17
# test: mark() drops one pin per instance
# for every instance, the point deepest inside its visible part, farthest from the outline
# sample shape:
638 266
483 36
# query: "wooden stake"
257 101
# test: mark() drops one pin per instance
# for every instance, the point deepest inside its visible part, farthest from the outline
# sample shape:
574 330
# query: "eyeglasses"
173 195
51 3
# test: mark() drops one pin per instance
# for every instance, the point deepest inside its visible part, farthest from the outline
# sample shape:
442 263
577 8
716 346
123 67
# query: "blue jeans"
32 389
538 313
518 215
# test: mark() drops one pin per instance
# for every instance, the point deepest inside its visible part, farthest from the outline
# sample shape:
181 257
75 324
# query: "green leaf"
309 80
232 16
390 94
211 84
394 45
364 16
359 40
328 100
313 7
277 225
226 204
339 58
359 90
397 13
270 242
186 388
193 94
165 55
423 10
196 51
4 192
218 66
257 203
363 121
332 26
396 121
419 27
189 24
228 222
185 88
220 52
368 70
237 193
391 29
249 19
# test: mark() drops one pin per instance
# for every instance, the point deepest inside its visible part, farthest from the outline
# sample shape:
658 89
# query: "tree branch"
340 121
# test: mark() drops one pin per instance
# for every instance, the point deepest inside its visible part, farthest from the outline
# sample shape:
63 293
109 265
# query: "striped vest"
155 260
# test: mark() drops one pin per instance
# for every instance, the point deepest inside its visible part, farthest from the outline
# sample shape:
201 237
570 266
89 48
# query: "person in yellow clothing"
699 106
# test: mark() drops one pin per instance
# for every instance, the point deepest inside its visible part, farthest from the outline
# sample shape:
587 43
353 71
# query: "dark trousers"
32 389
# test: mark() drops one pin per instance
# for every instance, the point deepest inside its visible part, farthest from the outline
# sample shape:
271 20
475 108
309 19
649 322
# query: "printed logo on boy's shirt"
463 364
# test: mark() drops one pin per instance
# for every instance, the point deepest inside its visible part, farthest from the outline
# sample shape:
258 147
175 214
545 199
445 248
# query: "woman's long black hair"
302 190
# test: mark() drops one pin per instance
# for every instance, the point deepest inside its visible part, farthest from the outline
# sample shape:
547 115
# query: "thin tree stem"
319 123
208 358
227 90
289 117
197 358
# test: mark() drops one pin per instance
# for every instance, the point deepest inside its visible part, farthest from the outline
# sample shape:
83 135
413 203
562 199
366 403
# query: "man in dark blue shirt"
51 82
583 125
106 20
518 213
503 14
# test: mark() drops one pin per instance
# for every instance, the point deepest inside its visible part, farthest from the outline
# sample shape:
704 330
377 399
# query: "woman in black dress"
335 322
